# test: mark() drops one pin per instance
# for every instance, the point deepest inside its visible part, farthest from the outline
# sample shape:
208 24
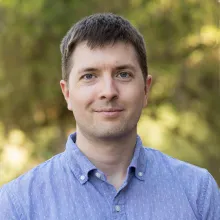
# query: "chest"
99 201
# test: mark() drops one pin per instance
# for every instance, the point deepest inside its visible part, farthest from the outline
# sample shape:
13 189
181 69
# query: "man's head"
99 30
105 80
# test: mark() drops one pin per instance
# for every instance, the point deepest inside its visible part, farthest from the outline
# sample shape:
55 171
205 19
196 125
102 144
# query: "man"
105 172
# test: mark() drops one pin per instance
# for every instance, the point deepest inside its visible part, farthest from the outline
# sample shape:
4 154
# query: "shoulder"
42 170
182 169
197 183
15 195
35 177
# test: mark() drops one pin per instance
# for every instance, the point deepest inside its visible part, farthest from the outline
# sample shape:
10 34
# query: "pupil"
123 74
89 76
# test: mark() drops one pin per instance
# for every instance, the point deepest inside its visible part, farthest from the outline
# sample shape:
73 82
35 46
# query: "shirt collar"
81 166
138 161
78 162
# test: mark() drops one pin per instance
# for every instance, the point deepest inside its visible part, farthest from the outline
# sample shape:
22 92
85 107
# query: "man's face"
106 90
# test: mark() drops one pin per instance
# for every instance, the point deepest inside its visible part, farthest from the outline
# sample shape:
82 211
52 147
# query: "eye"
88 76
124 75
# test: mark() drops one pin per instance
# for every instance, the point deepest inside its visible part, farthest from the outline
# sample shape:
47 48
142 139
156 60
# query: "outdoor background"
182 39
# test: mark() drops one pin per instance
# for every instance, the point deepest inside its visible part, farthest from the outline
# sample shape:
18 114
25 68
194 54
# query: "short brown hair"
99 30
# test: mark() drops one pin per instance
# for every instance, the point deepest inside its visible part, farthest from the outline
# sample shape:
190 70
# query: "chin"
112 133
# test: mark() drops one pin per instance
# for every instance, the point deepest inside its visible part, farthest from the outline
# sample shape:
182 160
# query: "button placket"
119 204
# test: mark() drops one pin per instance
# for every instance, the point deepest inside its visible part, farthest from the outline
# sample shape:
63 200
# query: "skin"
106 93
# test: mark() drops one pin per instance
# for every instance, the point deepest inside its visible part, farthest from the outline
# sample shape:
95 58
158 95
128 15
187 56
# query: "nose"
108 89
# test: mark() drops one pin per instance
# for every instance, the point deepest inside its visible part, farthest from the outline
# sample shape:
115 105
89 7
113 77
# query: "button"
117 208
82 177
140 174
98 175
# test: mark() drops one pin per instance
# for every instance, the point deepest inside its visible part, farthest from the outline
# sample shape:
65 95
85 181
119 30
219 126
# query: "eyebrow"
87 69
126 66
121 67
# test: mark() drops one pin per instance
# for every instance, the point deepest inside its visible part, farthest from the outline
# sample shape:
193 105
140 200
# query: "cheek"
81 99
136 96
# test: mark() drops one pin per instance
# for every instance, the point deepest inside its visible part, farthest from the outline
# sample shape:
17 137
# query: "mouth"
109 112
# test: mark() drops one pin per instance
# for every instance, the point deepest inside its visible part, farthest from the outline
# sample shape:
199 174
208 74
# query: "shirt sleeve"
8 210
210 208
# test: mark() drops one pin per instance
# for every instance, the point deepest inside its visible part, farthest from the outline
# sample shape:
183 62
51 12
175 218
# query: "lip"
110 112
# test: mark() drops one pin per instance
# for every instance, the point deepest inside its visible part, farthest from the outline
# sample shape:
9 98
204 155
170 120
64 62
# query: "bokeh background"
182 39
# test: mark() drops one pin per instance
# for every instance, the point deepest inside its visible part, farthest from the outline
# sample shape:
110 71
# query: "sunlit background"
182 39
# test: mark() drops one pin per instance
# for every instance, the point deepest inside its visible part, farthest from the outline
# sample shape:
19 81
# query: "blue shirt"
70 187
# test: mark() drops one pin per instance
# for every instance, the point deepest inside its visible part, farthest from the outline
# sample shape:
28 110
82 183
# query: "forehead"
108 56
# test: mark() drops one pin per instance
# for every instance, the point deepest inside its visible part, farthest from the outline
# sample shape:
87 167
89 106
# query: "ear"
147 89
65 90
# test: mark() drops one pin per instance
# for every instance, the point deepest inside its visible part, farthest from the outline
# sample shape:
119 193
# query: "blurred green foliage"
182 39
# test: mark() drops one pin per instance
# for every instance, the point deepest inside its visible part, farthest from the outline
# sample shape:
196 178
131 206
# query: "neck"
110 156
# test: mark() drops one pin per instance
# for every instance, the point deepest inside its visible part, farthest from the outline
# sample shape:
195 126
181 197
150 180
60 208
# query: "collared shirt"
70 187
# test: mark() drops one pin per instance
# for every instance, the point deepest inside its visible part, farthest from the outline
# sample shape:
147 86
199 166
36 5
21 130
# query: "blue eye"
88 76
124 75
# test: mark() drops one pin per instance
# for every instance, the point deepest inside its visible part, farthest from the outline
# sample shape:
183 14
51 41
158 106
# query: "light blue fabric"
69 187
